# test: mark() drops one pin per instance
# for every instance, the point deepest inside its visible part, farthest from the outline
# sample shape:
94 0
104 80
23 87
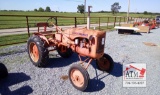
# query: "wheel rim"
34 53
104 63
77 78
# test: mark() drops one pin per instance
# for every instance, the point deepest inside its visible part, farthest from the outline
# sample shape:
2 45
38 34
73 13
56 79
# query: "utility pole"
84 10
88 18
128 10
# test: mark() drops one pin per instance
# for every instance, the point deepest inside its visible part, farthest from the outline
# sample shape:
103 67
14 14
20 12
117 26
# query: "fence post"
124 19
107 22
75 21
27 26
128 19
56 20
99 23
56 23
119 21
131 19
114 21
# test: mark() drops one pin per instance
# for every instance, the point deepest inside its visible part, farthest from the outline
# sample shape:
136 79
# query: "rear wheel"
79 77
64 51
105 63
3 71
37 51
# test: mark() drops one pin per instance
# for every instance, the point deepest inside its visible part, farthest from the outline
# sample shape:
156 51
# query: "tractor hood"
82 32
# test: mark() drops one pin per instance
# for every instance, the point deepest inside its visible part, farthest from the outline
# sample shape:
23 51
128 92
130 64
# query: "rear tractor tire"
64 51
105 63
37 51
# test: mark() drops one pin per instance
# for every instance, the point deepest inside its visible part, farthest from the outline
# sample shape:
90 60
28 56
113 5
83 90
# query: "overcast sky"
71 5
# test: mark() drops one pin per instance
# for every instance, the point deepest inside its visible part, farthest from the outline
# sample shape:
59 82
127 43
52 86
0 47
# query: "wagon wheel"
37 51
64 51
79 77
51 22
105 63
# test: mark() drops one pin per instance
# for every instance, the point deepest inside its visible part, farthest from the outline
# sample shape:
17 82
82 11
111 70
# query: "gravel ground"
24 78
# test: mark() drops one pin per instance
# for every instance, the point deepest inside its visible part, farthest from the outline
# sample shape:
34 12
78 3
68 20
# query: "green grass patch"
7 22
13 39
105 28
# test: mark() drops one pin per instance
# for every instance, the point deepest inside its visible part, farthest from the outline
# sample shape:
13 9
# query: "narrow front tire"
79 77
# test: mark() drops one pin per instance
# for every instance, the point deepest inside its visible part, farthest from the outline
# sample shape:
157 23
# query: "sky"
71 5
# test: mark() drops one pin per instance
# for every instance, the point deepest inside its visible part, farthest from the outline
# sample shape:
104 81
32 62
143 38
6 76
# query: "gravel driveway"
24 78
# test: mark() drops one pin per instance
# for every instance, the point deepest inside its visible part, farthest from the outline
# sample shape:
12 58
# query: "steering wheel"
52 23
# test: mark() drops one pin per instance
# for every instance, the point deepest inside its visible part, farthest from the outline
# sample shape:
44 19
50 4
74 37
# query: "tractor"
85 42
151 23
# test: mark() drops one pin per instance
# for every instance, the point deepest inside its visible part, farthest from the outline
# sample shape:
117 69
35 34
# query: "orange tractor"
151 23
85 42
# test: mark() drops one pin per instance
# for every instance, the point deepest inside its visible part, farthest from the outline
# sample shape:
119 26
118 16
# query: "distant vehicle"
157 19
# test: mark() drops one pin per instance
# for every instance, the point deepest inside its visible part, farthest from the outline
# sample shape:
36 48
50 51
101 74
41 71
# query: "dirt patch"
64 77
149 44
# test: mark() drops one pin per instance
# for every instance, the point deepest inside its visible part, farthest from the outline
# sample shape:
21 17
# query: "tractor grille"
100 43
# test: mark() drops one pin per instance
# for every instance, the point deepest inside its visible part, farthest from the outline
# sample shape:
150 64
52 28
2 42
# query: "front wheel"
105 63
79 77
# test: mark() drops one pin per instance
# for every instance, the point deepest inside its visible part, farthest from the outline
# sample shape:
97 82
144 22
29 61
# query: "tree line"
40 9
47 9
115 7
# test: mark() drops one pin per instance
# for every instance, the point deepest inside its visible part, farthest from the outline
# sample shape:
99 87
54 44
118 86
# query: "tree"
80 8
145 12
138 13
48 9
150 13
115 7
41 9
35 10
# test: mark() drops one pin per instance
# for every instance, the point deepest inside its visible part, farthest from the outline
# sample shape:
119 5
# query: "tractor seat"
42 24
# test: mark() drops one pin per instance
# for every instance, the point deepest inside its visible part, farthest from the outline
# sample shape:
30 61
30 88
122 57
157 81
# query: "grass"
11 39
109 28
105 28
19 22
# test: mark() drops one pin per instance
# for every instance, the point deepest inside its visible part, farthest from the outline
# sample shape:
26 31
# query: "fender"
44 38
